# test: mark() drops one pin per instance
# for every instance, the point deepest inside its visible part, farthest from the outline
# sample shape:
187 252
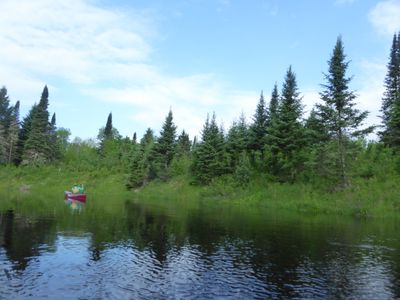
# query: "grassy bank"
366 198
26 189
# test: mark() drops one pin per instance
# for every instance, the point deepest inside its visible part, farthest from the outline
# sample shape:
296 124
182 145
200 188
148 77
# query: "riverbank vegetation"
281 159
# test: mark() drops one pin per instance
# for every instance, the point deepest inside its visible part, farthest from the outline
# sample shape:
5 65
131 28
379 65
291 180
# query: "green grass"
40 190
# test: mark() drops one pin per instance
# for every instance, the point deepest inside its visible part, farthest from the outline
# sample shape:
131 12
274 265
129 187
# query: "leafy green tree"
208 157
390 134
63 135
286 133
342 120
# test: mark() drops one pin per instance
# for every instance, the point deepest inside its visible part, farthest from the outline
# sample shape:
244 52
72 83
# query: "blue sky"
138 59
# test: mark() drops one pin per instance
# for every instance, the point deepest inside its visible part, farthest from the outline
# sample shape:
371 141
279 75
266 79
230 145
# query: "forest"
327 150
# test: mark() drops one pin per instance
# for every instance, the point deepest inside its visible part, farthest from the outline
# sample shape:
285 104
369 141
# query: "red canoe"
77 197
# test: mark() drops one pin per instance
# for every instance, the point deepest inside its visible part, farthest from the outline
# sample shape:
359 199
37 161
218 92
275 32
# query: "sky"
140 58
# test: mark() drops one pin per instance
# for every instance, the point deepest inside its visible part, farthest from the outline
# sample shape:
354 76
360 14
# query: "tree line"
278 142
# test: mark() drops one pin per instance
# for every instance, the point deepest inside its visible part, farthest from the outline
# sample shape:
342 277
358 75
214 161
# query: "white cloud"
385 16
104 54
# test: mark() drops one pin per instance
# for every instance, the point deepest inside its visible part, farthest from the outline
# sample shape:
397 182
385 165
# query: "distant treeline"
327 147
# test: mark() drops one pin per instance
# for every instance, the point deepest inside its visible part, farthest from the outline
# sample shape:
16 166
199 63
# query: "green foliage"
183 145
391 98
341 119
286 133
258 129
37 147
108 132
243 171
236 142
209 155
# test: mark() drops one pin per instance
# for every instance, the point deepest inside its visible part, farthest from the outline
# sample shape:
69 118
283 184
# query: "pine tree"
166 143
54 144
391 98
24 133
12 137
5 110
208 157
258 130
342 120
108 130
3 149
273 105
134 138
286 133
37 149
183 144
5 119
237 141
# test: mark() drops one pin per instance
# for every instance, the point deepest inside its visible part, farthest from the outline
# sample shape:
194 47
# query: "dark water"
206 252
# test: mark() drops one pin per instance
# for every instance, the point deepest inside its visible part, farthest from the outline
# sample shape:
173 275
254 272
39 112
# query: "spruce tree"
258 130
273 105
391 97
5 119
54 144
166 143
286 133
3 148
37 149
342 120
24 133
5 110
108 130
12 137
208 157
183 144
236 143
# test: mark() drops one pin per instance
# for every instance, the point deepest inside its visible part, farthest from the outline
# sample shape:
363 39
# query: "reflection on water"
208 252
76 206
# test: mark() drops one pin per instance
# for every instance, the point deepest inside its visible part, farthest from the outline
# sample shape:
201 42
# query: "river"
209 251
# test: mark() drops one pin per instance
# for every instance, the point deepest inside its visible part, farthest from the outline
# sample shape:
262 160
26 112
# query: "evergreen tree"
258 130
166 143
183 144
5 110
37 149
164 150
134 138
12 137
54 144
391 98
3 149
208 157
24 133
108 130
286 133
236 143
273 105
5 118
342 120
